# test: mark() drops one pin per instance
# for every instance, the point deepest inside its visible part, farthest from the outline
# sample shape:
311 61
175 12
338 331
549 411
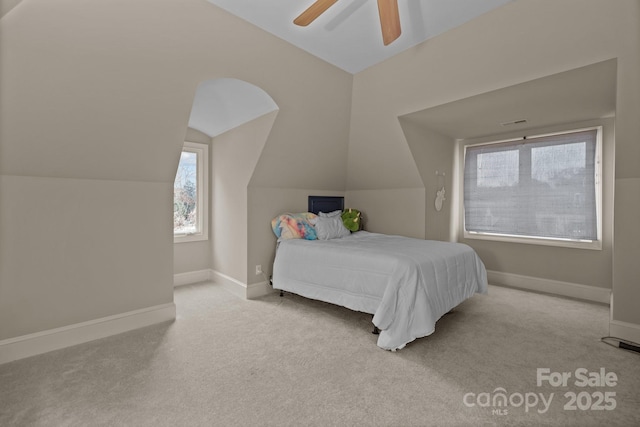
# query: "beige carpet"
296 362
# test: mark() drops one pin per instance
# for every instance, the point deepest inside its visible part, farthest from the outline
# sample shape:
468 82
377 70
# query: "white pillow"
330 214
330 227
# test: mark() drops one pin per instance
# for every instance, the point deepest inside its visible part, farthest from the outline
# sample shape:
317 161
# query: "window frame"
202 188
536 240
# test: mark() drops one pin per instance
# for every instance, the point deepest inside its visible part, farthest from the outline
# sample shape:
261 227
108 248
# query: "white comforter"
406 283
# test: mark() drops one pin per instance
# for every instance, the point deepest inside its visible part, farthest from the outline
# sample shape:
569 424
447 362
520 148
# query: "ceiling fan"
387 9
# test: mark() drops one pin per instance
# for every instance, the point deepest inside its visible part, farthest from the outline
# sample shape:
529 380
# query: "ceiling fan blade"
315 10
389 20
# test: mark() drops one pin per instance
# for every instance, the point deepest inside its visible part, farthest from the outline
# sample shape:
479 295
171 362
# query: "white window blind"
541 187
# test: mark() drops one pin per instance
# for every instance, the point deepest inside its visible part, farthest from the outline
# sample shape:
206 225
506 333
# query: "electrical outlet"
258 269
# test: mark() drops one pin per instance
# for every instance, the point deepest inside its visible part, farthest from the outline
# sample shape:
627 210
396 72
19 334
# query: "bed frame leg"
375 331
281 293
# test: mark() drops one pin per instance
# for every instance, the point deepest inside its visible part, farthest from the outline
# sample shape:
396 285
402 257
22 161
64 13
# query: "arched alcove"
235 117
225 103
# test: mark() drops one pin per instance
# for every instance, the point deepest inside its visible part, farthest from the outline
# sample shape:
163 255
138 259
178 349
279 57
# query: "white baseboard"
240 289
257 290
66 336
191 277
624 330
567 289
232 285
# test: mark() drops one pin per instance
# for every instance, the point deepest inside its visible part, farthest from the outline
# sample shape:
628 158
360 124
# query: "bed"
407 284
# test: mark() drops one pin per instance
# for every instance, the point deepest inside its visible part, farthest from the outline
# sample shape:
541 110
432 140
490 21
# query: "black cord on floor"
621 343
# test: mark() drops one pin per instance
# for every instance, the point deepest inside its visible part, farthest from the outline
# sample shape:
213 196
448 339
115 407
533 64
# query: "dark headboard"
325 204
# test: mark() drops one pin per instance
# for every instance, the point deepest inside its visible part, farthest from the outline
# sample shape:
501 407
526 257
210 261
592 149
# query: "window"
544 189
190 201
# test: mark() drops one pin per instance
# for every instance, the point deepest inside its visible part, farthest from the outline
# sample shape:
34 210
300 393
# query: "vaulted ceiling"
348 34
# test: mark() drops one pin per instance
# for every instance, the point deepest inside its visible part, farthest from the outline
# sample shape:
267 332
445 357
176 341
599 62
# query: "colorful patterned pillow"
295 226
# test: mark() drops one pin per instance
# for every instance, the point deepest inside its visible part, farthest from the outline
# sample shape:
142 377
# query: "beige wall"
433 154
7 5
95 103
391 211
73 249
235 155
626 271
626 274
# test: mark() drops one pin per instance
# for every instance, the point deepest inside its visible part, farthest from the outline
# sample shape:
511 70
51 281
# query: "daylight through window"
190 194
544 187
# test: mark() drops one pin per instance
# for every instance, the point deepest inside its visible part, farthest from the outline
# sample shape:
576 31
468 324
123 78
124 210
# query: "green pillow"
352 219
